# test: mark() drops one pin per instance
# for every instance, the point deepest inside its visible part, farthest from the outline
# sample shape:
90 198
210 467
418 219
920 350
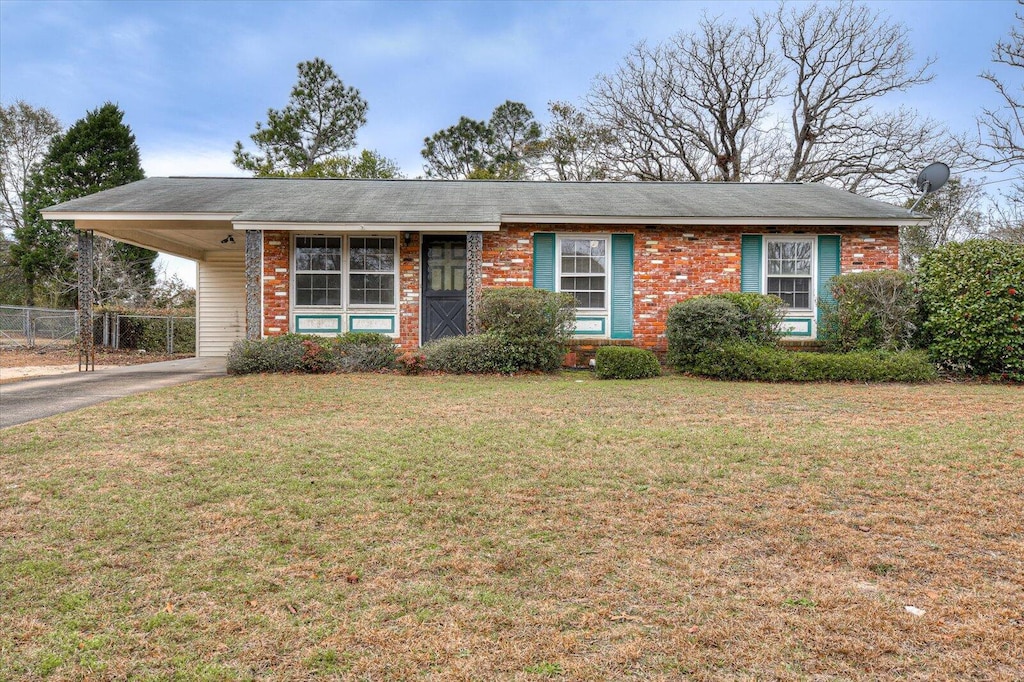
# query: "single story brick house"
409 258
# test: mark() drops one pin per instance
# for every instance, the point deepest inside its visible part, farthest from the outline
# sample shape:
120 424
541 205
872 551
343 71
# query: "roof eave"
756 221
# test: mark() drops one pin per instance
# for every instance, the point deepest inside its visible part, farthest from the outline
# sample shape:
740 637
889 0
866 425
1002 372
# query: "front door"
444 287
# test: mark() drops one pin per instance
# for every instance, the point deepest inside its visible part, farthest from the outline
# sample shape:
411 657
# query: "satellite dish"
933 177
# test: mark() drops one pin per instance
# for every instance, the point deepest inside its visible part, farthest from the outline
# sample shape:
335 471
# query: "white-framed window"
789 268
371 274
332 271
318 271
583 270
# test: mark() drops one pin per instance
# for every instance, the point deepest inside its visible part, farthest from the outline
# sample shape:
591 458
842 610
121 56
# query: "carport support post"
253 280
474 279
86 348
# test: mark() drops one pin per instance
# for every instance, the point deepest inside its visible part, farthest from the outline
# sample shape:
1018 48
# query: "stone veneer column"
253 282
86 350
474 279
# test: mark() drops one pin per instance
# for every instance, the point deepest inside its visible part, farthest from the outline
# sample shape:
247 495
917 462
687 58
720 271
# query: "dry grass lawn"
386 527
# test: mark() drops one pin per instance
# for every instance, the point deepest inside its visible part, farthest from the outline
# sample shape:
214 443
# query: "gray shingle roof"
436 201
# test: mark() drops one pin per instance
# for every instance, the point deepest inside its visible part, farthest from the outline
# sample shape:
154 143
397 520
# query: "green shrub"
461 354
523 330
521 315
626 362
705 322
762 315
746 361
875 310
353 352
972 294
363 352
272 354
489 354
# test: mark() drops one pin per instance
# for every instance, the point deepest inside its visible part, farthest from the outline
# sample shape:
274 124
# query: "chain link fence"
44 328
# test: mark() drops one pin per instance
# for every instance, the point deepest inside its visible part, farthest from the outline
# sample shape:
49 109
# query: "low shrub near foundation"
490 354
705 322
752 362
626 362
352 352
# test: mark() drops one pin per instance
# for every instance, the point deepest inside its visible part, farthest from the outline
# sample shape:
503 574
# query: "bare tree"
1002 128
795 94
1005 220
25 134
843 58
691 108
575 148
956 212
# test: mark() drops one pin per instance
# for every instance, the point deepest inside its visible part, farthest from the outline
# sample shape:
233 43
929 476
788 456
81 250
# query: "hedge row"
352 352
751 362
626 362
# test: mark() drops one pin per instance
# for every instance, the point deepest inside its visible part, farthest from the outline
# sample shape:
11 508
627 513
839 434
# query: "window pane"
317 254
795 291
371 289
316 289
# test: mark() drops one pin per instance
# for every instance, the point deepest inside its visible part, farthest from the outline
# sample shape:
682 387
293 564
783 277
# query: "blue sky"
193 77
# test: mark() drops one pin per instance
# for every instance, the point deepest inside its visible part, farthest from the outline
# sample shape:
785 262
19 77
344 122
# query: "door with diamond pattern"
444 287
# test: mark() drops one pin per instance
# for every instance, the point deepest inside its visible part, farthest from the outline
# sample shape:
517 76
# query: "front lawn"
387 527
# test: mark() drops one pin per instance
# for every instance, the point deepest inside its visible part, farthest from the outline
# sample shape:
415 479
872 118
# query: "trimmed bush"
626 362
462 354
363 352
523 330
273 354
522 315
875 310
705 322
353 352
973 298
762 315
746 361
489 354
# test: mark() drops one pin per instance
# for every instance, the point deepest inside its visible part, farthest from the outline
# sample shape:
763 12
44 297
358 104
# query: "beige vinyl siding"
220 306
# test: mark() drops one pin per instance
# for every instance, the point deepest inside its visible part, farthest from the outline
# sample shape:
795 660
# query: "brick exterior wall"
276 282
671 264
869 248
409 293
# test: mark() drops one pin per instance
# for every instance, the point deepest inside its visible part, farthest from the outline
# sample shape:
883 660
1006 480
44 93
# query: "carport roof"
251 202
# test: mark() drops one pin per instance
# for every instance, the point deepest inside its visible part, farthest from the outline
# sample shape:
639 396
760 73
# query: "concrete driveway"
30 399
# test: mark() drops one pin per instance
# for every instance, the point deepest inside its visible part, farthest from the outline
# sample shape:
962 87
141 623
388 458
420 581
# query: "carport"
209 239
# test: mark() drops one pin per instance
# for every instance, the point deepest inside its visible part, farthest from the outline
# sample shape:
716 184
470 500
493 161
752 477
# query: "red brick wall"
409 293
276 283
870 248
671 264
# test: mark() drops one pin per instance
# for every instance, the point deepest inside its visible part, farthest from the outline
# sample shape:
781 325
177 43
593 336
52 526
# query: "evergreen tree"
98 152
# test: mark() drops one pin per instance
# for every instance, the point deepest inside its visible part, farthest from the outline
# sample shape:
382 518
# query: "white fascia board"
712 221
112 216
367 227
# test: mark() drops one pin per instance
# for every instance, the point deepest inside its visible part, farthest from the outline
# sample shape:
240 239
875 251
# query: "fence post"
27 328
117 331
170 334
106 329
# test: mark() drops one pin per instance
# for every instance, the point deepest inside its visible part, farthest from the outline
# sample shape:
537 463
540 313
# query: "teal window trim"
808 332
590 318
300 318
544 258
389 318
621 294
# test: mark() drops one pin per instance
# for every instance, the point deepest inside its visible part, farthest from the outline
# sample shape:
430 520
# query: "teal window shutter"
622 286
750 263
828 267
544 261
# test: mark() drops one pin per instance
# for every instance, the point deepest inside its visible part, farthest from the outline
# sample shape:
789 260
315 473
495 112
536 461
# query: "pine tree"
98 152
